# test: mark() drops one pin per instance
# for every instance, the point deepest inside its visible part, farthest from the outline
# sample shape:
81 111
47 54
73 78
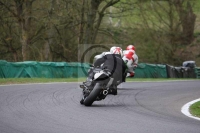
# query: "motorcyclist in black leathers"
114 65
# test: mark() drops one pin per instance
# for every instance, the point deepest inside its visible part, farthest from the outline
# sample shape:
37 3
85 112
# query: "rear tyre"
93 95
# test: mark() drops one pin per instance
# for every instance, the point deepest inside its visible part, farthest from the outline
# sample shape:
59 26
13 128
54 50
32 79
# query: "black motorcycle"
98 85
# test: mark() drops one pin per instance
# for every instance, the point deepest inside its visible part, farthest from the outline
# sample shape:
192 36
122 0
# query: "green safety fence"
145 70
33 69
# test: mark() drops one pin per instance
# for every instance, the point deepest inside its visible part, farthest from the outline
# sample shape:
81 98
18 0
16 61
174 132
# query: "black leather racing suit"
114 64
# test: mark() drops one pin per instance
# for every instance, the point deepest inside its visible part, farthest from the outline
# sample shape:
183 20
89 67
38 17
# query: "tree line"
52 30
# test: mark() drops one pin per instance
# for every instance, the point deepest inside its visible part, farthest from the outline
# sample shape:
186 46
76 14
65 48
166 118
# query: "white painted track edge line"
185 109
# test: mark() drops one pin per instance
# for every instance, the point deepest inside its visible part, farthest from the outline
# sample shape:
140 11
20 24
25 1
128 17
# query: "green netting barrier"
145 70
33 69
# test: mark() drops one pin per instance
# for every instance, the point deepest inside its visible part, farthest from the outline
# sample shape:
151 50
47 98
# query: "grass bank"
195 109
4 81
38 80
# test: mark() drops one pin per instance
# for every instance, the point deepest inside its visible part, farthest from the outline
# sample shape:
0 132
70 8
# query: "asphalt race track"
139 107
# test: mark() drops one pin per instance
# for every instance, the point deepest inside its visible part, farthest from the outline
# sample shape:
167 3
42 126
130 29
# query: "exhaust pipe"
105 92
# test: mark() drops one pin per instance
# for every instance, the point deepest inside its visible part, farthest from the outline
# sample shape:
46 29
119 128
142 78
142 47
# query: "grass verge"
4 81
195 109
38 80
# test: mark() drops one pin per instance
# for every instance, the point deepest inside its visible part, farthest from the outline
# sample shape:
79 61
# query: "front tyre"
93 95
82 101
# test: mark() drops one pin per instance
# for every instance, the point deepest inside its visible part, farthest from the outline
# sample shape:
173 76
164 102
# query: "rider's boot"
113 90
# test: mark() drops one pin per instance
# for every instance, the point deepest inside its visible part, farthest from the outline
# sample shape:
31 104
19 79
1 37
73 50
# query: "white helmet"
116 50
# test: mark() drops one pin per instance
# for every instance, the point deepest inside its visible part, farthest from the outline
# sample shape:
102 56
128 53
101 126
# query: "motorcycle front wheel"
93 95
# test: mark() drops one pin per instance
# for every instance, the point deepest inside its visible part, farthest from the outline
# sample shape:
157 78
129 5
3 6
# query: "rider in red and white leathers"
131 59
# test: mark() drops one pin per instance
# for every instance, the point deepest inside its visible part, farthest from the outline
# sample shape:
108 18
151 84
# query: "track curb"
185 109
